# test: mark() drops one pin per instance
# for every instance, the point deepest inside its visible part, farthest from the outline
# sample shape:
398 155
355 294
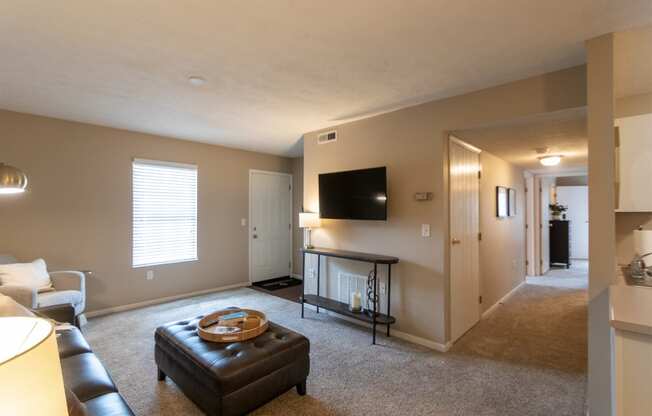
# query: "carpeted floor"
527 358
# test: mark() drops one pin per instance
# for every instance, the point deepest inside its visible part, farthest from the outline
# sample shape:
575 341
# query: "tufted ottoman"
236 378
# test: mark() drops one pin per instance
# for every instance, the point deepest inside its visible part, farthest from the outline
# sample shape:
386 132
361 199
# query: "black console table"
376 318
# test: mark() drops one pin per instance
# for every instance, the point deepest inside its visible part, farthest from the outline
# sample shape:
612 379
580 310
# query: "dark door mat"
278 283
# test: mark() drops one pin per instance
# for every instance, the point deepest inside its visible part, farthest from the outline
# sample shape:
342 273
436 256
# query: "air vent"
327 137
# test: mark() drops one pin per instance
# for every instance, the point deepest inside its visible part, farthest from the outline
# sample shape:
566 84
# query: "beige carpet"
527 358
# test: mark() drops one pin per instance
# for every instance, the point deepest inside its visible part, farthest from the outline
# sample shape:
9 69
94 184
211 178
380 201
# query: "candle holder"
355 303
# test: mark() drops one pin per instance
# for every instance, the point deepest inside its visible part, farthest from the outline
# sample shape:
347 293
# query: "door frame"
252 172
453 139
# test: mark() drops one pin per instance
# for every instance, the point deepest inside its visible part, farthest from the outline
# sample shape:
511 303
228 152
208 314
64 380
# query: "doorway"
576 201
464 191
270 225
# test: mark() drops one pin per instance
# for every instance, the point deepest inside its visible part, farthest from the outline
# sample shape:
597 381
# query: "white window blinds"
164 212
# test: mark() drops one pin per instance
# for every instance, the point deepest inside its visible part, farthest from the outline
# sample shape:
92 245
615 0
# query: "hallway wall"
502 249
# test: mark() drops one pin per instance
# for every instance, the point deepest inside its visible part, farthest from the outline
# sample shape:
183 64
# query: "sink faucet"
638 267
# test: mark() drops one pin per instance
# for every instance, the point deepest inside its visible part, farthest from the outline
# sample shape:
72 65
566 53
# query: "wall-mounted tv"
354 195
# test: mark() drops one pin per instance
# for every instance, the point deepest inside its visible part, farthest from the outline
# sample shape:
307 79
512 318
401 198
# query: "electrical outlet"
382 288
150 275
243 222
425 230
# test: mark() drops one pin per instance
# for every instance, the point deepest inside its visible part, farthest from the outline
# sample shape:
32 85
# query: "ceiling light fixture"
12 180
196 80
552 160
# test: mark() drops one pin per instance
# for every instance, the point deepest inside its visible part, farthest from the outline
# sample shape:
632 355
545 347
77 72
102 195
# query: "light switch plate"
243 222
425 230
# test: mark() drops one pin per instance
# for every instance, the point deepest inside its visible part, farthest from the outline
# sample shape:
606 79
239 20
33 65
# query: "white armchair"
69 288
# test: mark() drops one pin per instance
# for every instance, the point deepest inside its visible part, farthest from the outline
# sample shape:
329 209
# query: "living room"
154 172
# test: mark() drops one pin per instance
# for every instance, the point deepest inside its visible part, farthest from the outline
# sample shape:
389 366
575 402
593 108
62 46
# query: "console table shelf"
343 309
375 318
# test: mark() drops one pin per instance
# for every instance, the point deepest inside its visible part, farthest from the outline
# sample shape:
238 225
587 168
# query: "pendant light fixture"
12 180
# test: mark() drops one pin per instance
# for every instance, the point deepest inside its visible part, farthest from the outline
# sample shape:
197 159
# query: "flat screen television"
354 195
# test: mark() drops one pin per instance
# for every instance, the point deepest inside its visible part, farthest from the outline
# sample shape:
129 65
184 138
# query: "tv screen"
354 195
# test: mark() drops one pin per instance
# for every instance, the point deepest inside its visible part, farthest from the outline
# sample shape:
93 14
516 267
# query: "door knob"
455 241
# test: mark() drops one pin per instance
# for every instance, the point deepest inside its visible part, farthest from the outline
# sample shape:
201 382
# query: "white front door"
464 188
576 198
270 225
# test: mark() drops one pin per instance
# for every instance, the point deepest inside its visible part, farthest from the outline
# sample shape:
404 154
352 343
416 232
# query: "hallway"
542 326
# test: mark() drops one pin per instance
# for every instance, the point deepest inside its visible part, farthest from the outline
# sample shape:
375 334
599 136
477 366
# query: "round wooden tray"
212 328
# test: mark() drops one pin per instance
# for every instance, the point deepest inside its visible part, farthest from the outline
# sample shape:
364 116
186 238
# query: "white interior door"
576 198
270 225
464 188
544 192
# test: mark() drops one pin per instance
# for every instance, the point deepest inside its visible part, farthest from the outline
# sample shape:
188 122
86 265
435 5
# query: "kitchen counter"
630 308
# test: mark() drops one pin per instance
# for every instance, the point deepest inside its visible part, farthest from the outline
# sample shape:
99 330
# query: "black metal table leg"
375 301
318 275
303 289
389 293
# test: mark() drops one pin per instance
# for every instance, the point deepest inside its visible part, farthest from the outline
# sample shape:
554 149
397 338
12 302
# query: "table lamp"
30 370
308 221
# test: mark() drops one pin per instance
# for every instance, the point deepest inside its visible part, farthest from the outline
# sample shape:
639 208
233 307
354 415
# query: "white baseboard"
297 276
137 305
500 301
394 332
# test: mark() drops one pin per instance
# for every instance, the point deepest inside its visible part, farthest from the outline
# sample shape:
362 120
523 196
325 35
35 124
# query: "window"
164 212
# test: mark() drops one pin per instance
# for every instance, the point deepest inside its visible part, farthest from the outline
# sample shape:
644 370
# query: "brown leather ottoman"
232 379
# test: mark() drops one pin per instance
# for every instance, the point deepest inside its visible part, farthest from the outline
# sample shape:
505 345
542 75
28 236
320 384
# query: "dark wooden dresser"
560 243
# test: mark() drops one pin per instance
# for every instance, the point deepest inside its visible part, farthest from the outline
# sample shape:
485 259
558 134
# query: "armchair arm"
68 280
60 313
24 295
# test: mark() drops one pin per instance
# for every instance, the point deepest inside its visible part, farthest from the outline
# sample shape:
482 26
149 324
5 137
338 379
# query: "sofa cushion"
59 297
111 404
71 342
86 377
33 275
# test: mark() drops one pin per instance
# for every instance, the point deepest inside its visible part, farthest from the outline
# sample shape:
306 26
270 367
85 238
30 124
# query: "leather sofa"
89 387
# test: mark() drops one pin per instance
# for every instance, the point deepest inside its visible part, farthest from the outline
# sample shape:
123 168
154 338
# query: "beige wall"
633 105
77 213
411 143
297 206
572 181
502 249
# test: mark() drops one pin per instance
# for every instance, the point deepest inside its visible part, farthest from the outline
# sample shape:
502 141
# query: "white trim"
464 144
165 163
137 305
297 276
393 332
501 301
249 227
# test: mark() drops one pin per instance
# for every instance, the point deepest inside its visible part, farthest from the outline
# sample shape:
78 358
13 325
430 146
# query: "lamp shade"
30 370
12 180
309 220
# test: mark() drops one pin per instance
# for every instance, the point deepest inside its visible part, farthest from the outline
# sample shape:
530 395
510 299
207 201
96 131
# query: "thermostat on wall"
423 196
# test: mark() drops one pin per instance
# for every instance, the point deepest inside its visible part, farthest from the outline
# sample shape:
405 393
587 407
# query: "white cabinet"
631 321
634 164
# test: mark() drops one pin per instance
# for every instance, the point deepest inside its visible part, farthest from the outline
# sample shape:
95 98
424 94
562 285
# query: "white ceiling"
563 133
277 69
